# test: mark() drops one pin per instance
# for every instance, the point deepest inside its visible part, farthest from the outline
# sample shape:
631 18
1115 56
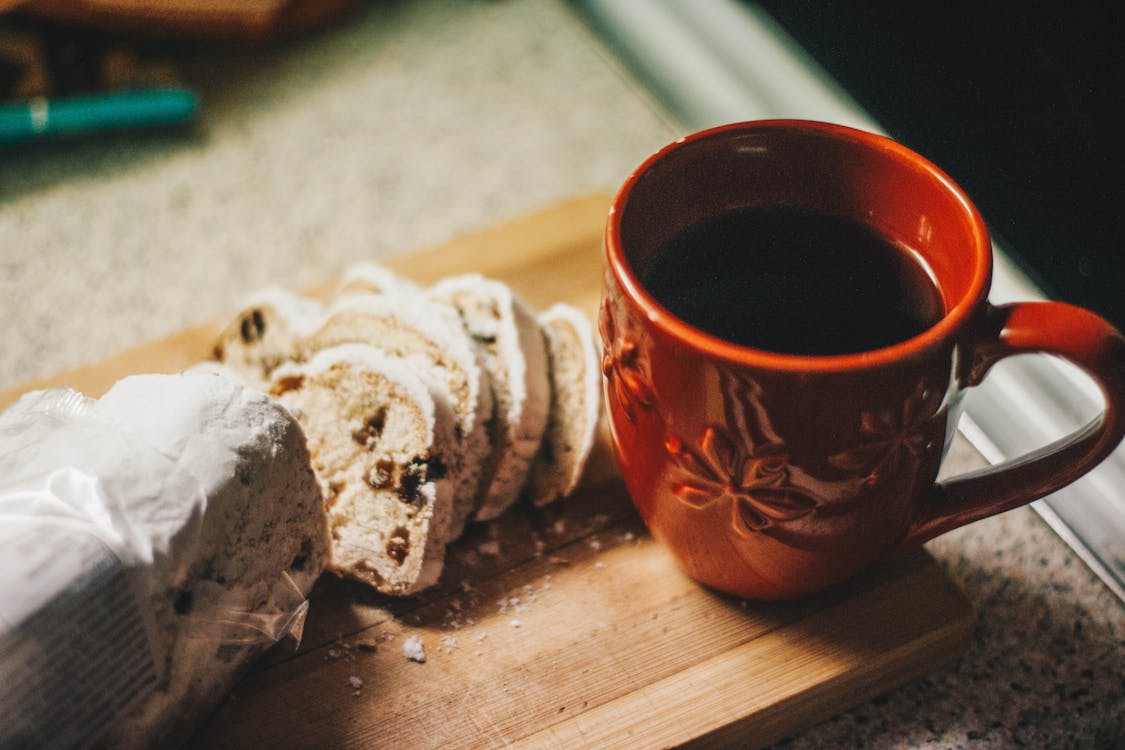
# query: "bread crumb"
344 650
599 565
560 527
595 544
628 536
355 683
448 644
513 603
489 549
515 623
413 649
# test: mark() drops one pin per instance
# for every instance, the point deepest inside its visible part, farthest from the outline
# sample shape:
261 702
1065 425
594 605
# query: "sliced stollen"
380 439
430 337
575 404
513 353
372 278
266 331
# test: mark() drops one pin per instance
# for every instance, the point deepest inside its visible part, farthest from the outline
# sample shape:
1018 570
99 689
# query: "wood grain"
581 632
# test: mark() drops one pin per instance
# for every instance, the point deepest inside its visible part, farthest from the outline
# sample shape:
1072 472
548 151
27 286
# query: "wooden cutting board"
566 627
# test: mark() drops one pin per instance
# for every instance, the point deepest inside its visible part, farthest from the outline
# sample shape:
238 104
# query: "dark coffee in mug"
792 281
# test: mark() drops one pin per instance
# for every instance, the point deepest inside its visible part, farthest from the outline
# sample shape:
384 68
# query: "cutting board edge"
920 648
193 344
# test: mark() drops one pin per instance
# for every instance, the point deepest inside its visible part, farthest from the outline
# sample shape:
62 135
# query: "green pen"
40 118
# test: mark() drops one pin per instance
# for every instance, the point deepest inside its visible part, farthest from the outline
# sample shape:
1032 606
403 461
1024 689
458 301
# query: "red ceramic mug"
772 475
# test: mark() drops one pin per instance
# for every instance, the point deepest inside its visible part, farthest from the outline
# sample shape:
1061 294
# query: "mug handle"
1074 334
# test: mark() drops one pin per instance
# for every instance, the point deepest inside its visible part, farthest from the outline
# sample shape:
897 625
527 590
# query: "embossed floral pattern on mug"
624 368
887 437
754 482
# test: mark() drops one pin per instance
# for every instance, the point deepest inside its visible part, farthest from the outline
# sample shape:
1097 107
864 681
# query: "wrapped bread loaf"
152 543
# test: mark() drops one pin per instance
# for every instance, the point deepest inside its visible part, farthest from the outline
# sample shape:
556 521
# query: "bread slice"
380 438
265 333
430 337
575 404
372 278
512 351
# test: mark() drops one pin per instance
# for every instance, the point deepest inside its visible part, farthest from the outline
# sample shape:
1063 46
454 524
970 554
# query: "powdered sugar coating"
367 357
212 481
212 425
575 403
512 350
372 278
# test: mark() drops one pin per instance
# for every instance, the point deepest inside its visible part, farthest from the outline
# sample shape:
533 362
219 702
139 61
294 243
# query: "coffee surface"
792 281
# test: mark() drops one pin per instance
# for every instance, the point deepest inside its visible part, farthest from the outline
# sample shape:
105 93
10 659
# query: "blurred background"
1020 103
160 159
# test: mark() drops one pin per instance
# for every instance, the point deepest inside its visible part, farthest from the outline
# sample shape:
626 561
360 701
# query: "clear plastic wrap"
113 626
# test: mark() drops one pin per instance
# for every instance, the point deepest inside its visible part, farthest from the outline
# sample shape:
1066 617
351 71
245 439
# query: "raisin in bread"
575 404
380 437
266 332
513 353
430 337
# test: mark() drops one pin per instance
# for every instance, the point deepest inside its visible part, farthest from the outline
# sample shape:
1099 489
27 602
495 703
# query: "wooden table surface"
566 626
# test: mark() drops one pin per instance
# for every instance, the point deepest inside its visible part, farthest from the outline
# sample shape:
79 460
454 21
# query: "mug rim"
974 295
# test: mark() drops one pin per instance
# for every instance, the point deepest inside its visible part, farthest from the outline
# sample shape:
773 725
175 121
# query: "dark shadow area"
1020 103
229 80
